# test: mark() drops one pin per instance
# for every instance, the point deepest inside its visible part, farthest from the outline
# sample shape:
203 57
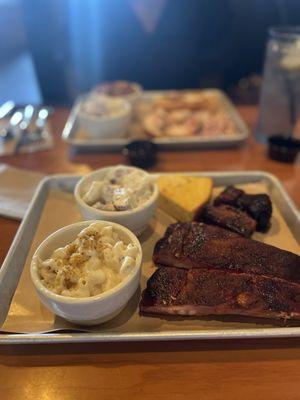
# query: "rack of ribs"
197 245
228 217
199 292
258 206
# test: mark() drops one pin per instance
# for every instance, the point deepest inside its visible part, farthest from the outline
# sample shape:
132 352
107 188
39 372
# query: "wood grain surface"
252 369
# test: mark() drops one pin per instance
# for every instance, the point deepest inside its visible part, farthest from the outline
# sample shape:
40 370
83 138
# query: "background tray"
56 193
74 136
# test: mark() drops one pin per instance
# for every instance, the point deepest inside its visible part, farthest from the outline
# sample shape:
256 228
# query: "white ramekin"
136 220
89 310
107 127
132 98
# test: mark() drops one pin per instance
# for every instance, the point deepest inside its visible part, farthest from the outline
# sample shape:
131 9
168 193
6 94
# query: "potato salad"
121 189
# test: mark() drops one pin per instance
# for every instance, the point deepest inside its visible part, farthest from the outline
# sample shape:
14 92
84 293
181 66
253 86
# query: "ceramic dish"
136 219
87 310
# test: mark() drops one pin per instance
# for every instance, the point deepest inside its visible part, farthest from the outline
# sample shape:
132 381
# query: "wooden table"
234 369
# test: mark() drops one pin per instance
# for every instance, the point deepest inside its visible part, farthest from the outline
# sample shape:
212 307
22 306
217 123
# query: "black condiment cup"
141 153
284 149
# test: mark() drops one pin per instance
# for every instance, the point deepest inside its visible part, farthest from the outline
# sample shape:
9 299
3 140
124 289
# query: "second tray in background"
80 141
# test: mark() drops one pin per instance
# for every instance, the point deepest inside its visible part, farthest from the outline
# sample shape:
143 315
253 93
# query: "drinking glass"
280 93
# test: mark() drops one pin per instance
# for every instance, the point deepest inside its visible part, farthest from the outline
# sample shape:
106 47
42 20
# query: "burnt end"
259 207
229 196
230 218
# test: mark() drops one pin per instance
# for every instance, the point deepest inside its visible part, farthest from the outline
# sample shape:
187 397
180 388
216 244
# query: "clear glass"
280 93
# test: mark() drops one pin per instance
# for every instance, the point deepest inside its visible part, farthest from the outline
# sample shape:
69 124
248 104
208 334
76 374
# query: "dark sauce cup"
283 149
141 153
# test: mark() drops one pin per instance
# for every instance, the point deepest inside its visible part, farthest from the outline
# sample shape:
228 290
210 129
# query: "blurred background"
51 50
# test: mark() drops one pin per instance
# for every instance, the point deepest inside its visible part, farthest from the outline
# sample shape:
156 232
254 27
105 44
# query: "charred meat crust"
166 288
229 196
197 245
209 291
257 206
228 217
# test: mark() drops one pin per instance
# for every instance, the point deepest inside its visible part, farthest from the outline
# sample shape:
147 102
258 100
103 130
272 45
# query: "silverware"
32 132
8 132
28 114
6 109
22 125
41 119
25 134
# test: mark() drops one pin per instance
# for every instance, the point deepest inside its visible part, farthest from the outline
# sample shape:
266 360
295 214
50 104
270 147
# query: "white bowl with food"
122 194
130 91
104 117
88 271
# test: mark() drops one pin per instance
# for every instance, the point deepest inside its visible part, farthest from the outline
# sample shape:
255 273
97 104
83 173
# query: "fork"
8 132
32 136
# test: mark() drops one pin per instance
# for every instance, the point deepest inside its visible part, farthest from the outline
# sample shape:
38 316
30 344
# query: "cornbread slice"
182 196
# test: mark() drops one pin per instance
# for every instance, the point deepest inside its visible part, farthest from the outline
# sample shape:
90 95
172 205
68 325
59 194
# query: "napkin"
16 190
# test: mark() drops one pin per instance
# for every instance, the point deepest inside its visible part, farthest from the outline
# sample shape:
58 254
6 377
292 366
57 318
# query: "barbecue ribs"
197 245
178 291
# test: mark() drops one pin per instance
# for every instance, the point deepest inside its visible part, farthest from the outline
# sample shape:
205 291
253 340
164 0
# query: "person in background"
161 44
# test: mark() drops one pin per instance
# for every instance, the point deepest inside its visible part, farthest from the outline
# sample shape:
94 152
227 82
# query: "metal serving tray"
144 328
81 142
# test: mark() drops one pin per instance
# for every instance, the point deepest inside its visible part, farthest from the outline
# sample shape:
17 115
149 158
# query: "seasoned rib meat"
209 291
197 245
258 206
229 196
228 217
